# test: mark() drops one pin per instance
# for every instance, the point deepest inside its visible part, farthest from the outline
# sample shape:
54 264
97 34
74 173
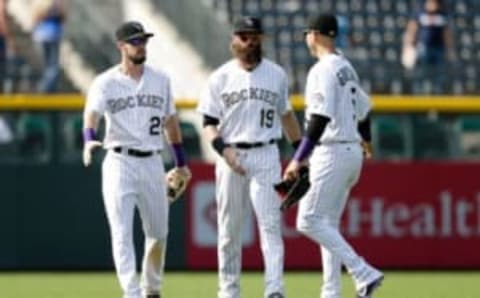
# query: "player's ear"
119 45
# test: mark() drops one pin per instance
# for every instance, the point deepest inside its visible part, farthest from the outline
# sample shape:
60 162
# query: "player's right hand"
88 149
232 158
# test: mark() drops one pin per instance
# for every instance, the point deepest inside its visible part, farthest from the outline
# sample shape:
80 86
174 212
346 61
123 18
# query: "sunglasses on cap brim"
244 36
137 41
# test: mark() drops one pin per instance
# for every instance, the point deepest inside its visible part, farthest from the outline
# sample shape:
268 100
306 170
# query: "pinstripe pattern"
236 193
130 182
249 106
333 90
134 113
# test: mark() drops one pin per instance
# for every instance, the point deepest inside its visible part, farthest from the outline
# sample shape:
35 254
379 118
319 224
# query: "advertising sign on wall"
400 215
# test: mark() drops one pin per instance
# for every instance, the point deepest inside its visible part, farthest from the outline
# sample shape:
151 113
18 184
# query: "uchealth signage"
400 215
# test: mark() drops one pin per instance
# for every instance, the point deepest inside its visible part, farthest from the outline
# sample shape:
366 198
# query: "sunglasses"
138 41
246 37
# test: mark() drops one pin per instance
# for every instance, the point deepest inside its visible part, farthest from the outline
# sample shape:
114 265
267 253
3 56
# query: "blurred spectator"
48 19
7 47
7 42
427 44
6 135
343 40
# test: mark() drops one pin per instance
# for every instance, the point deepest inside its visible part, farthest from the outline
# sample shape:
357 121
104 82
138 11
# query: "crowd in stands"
29 133
373 38
46 32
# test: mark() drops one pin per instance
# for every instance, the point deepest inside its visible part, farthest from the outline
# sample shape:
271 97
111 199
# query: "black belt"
136 153
242 145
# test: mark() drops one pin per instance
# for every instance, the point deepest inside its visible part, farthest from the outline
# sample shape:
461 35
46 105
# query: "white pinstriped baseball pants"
334 170
130 182
234 194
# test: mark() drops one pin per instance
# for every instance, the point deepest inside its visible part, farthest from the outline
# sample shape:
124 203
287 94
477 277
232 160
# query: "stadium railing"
404 127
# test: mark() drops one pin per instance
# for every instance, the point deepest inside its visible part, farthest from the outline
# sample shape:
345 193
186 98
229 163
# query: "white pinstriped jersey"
134 111
333 90
248 104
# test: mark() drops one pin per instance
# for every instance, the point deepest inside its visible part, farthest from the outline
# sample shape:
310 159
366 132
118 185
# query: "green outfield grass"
203 285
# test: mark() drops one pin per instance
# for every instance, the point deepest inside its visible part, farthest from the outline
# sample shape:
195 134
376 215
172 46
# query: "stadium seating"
72 137
34 134
390 137
431 138
191 140
376 28
470 135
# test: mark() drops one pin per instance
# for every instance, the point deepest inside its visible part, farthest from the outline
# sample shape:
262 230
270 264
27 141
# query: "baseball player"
337 126
245 106
137 105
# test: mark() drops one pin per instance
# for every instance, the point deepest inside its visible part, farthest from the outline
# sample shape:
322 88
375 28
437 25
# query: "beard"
249 54
137 60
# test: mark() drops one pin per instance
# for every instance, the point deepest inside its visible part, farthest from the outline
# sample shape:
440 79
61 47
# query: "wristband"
89 134
304 149
179 154
218 145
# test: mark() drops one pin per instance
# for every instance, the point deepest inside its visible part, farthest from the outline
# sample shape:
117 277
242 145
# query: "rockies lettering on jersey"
133 110
346 74
249 104
252 93
142 100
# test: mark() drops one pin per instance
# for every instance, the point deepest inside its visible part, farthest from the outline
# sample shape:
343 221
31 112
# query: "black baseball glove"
291 192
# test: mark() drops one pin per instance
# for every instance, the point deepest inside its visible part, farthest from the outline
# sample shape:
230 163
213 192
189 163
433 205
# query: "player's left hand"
177 181
88 149
367 150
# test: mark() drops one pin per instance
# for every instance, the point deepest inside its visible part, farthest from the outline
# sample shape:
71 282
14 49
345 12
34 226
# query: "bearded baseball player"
245 105
337 126
137 105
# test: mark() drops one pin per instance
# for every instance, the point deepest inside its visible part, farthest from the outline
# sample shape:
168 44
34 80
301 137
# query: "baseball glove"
291 192
177 181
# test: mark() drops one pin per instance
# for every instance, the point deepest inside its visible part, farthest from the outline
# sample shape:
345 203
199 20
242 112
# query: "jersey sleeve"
209 103
322 92
284 104
95 98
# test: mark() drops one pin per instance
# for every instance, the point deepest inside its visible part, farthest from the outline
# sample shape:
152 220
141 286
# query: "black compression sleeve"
316 126
296 144
364 129
209 120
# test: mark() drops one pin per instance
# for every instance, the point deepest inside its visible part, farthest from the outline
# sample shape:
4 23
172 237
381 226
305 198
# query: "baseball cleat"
367 291
154 296
276 295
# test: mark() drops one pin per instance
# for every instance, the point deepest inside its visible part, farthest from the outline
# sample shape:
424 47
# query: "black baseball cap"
130 30
248 24
325 24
